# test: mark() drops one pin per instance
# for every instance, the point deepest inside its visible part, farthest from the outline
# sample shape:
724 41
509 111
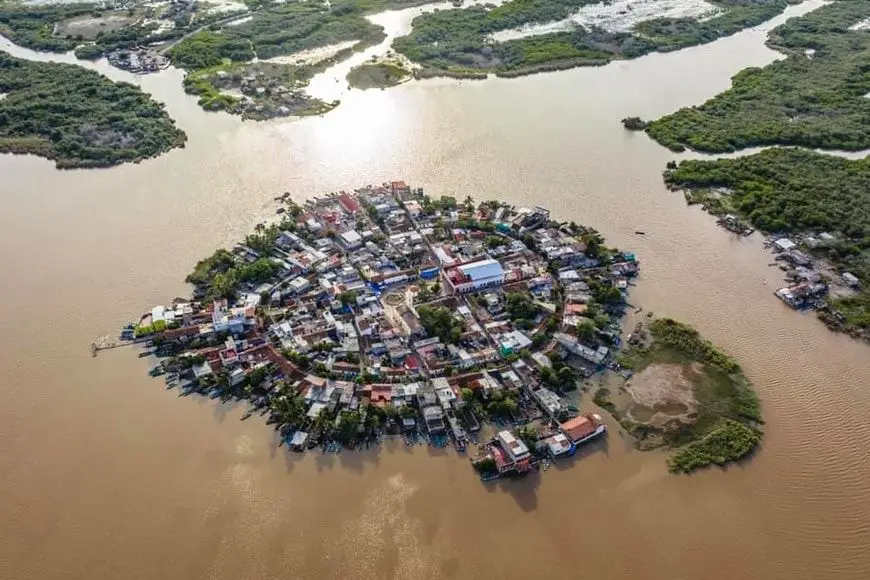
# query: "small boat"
640 233
247 415
215 393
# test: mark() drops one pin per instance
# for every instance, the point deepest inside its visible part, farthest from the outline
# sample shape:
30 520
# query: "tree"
439 321
519 306
586 330
323 422
567 378
467 394
347 298
289 409
529 436
348 425
548 376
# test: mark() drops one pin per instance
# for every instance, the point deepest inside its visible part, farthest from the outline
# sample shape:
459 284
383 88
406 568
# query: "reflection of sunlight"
386 526
358 125
331 84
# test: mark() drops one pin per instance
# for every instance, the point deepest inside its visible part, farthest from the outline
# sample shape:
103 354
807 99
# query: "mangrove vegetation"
78 117
377 75
466 43
815 97
796 192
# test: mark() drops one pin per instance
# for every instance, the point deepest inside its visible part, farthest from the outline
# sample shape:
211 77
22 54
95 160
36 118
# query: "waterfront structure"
384 311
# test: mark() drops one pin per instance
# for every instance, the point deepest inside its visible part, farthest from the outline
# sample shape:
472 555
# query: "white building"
515 448
351 240
298 285
476 275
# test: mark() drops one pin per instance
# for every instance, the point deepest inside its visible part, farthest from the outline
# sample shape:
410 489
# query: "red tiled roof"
578 427
348 203
183 331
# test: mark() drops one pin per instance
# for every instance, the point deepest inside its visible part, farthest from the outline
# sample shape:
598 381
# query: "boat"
247 415
640 233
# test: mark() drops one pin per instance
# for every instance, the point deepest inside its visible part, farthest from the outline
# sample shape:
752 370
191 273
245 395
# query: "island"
384 312
683 393
378 74
77 117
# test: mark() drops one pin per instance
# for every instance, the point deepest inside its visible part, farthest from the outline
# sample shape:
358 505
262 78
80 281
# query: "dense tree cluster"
816 97
33 26
376 75
78 117
725 444
278 29
439 321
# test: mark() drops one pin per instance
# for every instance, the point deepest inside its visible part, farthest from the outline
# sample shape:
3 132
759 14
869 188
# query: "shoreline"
819 276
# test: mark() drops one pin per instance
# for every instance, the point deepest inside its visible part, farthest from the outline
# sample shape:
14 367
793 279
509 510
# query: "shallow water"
109 475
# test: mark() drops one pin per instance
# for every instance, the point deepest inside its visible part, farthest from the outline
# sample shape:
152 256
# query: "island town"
385 312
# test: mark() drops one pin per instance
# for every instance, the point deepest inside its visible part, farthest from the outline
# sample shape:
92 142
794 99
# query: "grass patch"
602 399
379 75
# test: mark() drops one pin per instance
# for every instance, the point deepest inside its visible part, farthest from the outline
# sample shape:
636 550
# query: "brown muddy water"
108 475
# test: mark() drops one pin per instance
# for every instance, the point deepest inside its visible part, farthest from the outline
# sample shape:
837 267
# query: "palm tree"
322 423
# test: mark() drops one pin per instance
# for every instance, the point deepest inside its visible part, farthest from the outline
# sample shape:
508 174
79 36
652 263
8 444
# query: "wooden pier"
104 343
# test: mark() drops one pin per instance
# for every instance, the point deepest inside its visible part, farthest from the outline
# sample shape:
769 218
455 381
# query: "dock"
104 343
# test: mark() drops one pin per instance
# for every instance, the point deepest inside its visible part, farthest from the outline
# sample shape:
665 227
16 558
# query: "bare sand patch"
313 55
88 27
663 392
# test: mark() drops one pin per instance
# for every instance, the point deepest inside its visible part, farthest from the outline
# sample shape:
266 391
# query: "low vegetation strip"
815 97
719 414
78 117
460 42
796 192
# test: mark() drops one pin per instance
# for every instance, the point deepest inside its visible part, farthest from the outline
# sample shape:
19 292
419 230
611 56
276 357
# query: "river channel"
108 475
